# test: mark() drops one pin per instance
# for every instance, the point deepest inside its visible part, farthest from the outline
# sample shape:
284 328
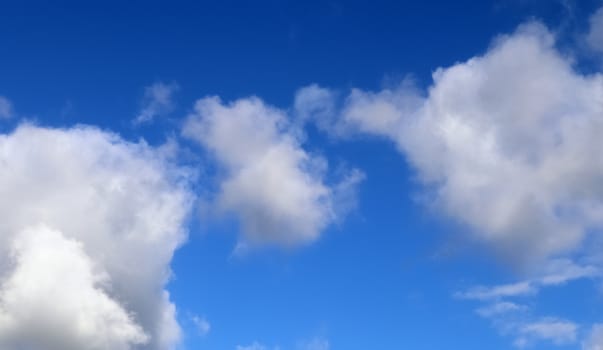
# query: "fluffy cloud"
157 101
506 142
54 299
6 108
92 223
277 188
595 34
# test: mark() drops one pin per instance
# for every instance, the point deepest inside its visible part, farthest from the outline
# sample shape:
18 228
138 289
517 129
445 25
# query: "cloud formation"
85 252
6 108
202 324
54 299
556 272
595 34
276 188
556 331
499 308
505 142
515 320
157 101
595 338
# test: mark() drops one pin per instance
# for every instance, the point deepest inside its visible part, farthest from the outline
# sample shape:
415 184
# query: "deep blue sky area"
387 276
62 59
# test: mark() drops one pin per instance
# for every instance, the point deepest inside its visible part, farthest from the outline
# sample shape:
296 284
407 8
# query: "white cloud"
560 271
94 220
555 272
202 324
515 321
157 101
595 338
595 34
6 108
497 292
556 331
505 142
499 308
318 105
276 188
54 299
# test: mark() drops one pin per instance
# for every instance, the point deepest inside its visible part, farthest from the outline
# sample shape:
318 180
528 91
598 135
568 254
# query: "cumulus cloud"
506 143
6 108
157 101
277 189
595 34
85 249
54 299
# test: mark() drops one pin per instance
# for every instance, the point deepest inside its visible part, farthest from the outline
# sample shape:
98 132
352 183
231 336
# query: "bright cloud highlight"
276 188
85 252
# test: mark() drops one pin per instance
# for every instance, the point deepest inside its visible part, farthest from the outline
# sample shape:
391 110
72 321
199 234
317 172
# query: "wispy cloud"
595 34
499 308
6 108
594 341
497 292
158 100
556 331
516 321
556 272
202 324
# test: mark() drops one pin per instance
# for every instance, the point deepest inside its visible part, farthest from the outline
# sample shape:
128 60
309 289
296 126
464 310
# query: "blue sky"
301 175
